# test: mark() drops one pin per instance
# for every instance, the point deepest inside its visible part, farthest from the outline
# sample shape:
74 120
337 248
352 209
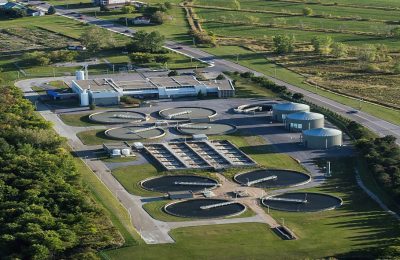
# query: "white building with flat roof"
108 91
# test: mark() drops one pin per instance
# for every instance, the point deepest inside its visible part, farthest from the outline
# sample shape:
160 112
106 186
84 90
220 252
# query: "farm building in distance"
107 91
17 6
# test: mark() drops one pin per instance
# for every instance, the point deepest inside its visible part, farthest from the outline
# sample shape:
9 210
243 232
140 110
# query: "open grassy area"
155 209
358 224
115 211
130 177
244 88
81 119
94 137
119 159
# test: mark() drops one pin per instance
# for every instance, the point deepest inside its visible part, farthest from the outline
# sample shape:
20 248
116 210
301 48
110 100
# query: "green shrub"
307 11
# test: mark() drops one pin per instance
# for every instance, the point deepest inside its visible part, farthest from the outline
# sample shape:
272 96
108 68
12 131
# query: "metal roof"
291 106
305 116
322 132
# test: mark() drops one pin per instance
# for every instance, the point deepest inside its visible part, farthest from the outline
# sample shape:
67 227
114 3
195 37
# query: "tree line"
45 212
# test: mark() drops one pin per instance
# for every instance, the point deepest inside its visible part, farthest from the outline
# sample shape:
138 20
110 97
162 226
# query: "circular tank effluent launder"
205 208
135 132
302 202
187 113
206 128
272 178
172 183
118 117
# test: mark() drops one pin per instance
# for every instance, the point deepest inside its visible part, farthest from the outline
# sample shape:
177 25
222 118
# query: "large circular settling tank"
187 113
117 117
205 208
172 183
206 128
302 202
272 178
135 132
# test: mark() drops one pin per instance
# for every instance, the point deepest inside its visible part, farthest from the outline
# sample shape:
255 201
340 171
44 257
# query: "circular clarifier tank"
135 132
272 178
302 202
187 113
118 117
171 183
205 208
206 128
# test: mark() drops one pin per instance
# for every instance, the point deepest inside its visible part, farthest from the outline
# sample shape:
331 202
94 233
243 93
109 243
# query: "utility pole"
194 42
237 58
126 21
113 66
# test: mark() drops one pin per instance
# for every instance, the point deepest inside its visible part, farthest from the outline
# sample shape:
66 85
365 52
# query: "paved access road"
376 125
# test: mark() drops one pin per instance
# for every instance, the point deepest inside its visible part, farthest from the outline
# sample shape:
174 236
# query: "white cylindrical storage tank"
116 152
280 111
125 152
80 75
300 121
322 138
84 97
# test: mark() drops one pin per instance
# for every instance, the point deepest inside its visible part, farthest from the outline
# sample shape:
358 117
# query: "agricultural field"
27 38
253 24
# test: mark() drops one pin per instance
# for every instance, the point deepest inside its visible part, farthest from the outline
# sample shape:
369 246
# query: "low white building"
108 92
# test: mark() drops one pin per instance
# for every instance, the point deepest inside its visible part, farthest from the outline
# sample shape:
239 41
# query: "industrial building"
107 91
322 138
280 111
300 121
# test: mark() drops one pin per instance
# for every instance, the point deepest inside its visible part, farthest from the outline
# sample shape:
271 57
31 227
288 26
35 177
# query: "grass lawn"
94 137
244 88
155 209
115 211
77 119
358 224
119 159
131 176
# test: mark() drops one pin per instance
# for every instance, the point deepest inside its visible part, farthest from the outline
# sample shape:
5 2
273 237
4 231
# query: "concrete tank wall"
322 142
296 125
280 111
